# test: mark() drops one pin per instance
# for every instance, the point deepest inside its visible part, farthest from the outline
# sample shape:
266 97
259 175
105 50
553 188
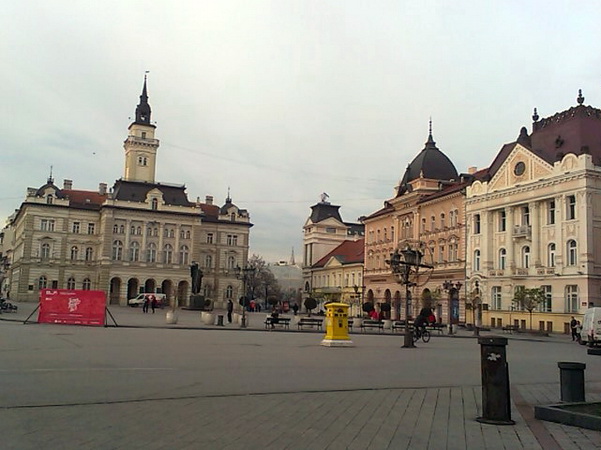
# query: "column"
535 232
510 224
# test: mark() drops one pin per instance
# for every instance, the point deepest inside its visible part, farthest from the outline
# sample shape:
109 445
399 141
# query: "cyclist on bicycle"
422 319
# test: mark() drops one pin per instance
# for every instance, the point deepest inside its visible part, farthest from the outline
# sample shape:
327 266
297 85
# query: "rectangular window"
571 298
545 305
47 225
209 238
525 215
75 228
91 228
496 297
571 207
551 212
502 220
330 230
232 239
477 224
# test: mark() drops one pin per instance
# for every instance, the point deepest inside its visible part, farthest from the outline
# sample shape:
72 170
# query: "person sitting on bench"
275 317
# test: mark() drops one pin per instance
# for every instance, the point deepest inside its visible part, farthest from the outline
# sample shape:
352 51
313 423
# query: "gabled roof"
136 191
349 252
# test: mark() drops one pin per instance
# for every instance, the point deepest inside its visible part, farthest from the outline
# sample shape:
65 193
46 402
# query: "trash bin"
571 379
220 320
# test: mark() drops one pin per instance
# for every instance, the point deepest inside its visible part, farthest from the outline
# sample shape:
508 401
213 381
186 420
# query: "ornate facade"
139 236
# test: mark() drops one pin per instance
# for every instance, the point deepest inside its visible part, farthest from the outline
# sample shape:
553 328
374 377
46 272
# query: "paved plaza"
149 385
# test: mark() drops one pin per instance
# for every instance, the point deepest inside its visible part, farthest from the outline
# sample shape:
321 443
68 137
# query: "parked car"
140 298
591 327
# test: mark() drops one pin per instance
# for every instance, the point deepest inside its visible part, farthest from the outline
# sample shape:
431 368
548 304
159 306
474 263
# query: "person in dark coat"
153 303
573 326
145 305
230 309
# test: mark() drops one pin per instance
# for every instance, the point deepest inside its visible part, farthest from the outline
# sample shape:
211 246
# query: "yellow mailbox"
337 326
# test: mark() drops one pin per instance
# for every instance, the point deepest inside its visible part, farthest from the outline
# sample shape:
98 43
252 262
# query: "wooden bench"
309 322
398 325
439 327
272 322
372 324
510 329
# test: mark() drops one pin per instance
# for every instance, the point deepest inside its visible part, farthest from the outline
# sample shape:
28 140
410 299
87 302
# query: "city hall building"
141 235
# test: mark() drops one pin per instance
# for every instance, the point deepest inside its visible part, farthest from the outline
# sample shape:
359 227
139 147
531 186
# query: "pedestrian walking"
230 309
295 308
573 325
145 305
153 303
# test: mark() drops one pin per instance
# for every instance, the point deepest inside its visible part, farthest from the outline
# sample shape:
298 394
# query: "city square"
145 384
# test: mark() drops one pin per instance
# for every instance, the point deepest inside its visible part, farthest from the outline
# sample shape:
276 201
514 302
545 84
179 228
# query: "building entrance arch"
150 285
167 289
114 291
133 288
183 288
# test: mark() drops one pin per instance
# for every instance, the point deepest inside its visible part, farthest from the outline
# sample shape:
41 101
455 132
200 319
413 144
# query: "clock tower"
140 145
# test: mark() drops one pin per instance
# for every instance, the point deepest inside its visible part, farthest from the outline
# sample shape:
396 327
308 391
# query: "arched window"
121 229
151 252
233 217
525 257
49 199
168 254
502 258
115 228
139 231
134 251
231 262
184 253
442 222
155 232
208 261
551 255
477 260
187 234
74 252
86 285
132 230
117 254
45 250
71 283
171 233
229 292
154 203
89 254
572 253
42 282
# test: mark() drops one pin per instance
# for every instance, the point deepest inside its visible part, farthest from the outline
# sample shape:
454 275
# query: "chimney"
67 185
209 199
102 188
472 170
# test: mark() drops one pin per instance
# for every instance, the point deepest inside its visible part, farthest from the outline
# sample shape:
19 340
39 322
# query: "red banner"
72 306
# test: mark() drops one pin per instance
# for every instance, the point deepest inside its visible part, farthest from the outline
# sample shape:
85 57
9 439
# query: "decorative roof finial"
580 98
535 116
430 128
228 199
50 177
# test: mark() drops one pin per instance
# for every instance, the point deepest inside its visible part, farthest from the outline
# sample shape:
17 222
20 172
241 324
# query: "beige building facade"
139 236
535 221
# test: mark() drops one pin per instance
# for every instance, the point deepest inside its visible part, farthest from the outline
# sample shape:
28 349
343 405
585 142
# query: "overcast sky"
282 100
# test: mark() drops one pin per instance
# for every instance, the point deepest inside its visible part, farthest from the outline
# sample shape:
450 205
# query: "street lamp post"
452 288
476 304
244 273
360 297
402 264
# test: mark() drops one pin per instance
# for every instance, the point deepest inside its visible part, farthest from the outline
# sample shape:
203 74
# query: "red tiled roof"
348 252
85 199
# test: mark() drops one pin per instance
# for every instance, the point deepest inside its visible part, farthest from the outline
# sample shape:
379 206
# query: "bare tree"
262 281
528 299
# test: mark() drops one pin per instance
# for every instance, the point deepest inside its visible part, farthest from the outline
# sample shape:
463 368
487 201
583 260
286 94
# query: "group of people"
576 328
149 302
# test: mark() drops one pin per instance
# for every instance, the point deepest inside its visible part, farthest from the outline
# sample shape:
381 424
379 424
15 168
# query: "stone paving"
209 387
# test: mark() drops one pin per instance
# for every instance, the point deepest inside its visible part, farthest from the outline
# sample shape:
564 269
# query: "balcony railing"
522 231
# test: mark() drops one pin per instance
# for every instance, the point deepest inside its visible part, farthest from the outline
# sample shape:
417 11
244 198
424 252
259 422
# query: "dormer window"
49 199
154 204
233 217
143 134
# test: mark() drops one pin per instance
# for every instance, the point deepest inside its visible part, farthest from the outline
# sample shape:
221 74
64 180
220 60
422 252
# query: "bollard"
220 320
571 380
496 398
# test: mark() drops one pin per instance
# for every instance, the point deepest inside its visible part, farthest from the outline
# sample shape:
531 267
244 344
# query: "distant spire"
143 109
430 142
292 262
228 199
535 116
580 98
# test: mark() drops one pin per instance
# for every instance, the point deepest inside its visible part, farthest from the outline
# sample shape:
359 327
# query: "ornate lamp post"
477 305
453 290
404 264
244 274
360 297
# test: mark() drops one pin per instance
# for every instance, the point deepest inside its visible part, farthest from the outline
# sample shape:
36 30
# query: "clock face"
519 168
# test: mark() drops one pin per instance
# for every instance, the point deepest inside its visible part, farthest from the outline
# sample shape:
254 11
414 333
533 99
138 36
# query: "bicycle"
421 333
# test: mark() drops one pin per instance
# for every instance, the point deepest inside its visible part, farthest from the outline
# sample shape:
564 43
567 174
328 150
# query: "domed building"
427 207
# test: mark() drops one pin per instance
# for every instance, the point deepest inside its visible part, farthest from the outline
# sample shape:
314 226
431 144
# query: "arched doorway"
183 290
167 289
150 285
132 288
114 291
387 309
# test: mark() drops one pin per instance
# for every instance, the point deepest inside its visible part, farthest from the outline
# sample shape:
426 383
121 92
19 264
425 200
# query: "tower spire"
292 262
143 109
